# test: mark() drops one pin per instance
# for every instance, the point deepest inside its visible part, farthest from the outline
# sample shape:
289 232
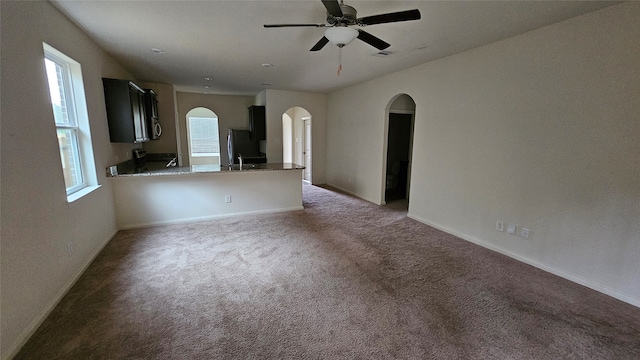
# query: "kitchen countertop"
154 168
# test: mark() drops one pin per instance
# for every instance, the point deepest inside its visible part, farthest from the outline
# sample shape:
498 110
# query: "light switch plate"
499 226
511 229
524 233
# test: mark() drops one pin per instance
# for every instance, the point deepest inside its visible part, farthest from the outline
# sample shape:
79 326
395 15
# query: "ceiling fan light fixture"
340 35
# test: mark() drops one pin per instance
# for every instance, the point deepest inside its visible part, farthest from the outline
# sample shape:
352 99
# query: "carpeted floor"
342 279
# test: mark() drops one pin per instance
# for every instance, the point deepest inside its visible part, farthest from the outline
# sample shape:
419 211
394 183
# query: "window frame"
190 139
76 124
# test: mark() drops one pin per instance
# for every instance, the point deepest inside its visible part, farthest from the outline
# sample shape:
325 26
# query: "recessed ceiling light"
158 51
208 78
267 65
207 86
266 84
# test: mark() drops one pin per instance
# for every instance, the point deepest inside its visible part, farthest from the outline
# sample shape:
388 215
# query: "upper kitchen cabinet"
126 113
257 123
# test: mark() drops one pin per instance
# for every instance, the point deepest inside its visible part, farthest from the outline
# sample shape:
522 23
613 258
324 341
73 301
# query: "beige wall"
232 111
298 134
287 137
37 221
540 130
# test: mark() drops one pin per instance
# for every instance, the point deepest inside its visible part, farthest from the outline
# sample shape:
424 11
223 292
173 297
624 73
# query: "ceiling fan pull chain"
339 60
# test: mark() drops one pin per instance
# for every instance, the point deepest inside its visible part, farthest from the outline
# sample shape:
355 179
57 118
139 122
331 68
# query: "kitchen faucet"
240 159
172 162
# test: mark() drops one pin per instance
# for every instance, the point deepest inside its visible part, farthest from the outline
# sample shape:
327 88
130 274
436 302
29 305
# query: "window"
64 77
204 136
203 139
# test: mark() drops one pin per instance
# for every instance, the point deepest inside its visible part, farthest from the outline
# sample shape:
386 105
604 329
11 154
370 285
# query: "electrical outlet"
70 248
512 229
499 226
524 233
227 199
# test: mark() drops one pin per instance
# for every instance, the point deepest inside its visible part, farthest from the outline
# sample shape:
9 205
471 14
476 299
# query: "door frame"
307 140
385 147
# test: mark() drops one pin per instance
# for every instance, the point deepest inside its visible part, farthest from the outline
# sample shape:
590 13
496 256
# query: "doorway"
296 139
399 149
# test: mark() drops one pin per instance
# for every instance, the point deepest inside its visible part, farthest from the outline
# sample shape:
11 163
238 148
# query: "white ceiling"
226 39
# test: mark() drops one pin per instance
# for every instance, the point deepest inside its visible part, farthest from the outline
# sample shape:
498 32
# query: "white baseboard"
207 218
354 194
38 320
571 277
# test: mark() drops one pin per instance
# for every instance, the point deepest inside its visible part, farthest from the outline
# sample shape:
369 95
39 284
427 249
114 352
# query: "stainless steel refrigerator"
239 142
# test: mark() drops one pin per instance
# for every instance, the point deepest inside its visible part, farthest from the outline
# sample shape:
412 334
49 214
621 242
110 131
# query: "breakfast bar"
159 195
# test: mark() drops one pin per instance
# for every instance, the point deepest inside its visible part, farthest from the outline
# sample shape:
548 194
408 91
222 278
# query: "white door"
307 150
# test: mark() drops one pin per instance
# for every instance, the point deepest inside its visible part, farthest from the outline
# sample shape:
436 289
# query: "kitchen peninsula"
168 195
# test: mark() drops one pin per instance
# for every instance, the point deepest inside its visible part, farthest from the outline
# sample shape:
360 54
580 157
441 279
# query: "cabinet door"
257 122
136 99
143 117
153 104
124 102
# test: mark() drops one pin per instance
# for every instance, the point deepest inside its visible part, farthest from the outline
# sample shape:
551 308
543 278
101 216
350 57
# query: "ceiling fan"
339 19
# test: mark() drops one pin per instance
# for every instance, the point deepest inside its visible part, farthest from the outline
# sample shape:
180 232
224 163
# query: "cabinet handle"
158 129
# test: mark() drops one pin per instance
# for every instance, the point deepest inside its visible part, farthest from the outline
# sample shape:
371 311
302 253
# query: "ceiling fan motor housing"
349 15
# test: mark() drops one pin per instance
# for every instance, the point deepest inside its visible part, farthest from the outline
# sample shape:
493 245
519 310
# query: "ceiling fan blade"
333 7
293 25
372 40
320 44
391 17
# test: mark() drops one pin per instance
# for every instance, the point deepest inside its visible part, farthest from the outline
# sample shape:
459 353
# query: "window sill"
80 193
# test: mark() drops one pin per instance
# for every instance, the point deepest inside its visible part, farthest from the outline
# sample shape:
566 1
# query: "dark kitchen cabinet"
125 111
257 123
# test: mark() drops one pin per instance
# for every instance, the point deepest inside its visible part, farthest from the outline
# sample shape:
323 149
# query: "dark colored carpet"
342 279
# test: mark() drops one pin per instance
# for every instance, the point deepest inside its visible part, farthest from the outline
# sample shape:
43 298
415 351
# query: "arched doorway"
296 139
399 141
203 137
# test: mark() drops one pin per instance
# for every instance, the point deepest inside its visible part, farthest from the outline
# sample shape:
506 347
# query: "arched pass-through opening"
399 149
296 139
203 137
